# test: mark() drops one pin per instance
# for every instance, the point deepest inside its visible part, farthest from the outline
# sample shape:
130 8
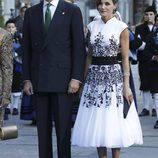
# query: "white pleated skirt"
106 126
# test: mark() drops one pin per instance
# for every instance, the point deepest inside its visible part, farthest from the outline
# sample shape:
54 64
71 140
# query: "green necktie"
47 17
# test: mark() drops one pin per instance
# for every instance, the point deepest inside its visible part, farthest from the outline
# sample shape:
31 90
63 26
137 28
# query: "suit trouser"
60 106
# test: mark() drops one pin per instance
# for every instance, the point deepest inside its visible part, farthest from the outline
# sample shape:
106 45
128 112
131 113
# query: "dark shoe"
156 125
15 111
144 112
153 112
33 123
7 111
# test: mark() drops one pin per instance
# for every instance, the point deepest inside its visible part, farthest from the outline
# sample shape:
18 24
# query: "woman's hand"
128 94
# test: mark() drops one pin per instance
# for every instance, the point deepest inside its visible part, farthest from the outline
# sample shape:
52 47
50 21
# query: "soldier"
151 56
142 31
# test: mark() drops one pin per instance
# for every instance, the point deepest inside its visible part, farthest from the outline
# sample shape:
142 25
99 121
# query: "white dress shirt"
53 7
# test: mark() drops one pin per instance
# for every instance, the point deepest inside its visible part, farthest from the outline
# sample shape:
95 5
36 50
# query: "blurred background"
131 10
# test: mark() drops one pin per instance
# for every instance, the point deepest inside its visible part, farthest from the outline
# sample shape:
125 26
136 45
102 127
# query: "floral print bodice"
103 80
105 37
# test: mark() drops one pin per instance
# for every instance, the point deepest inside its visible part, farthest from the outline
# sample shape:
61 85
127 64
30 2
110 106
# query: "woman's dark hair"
99 1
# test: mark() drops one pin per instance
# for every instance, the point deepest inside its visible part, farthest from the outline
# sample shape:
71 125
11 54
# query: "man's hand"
28 88
73 86
155 57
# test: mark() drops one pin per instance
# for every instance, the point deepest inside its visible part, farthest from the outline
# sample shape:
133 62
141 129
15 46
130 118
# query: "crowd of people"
48 58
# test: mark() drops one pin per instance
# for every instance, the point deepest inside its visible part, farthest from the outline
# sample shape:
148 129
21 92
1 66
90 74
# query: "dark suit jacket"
143 31
51 60
151 49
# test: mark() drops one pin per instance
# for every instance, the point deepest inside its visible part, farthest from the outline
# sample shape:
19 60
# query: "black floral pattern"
100 49
103 80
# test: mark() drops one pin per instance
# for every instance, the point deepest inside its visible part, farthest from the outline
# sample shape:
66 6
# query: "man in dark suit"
151 56
142 31
53 63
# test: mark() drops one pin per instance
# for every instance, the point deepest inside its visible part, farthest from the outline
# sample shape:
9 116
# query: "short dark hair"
150 9
99 1
10 21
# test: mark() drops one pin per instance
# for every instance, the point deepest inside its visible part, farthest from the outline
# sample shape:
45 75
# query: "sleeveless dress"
100 121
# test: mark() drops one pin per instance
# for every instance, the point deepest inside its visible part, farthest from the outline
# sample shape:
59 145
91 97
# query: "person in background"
142 31
20 19
151 56
6 71
53 62
100 120
17 67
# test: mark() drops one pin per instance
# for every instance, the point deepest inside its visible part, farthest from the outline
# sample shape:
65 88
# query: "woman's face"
106 8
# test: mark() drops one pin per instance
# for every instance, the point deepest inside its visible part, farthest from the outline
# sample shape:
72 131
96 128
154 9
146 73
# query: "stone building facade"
131 10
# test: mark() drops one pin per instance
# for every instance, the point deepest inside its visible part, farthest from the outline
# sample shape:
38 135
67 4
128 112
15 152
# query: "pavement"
25 146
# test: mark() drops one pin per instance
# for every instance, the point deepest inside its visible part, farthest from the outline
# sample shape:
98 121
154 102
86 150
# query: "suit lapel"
41 20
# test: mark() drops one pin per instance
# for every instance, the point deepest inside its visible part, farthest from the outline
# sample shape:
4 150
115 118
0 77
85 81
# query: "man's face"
150 17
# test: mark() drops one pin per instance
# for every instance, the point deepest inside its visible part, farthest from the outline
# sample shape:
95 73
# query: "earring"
114 11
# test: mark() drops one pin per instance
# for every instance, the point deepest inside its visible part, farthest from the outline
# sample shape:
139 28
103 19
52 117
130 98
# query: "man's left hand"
73 86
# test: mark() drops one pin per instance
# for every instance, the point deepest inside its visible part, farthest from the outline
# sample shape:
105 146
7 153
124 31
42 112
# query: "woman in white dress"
100 122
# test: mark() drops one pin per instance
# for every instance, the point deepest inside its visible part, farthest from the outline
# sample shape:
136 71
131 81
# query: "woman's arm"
124 40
